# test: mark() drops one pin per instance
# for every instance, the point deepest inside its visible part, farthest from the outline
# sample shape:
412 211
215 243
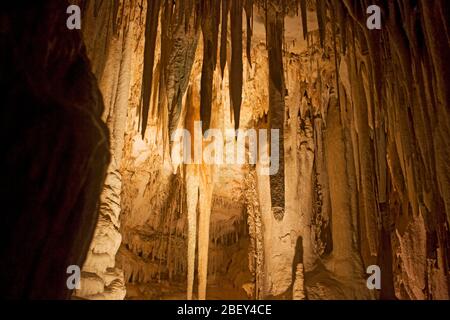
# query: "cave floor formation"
336 185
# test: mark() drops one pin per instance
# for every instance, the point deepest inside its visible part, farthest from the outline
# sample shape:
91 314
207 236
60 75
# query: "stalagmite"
256 251
205 200
305 154
192 192
298 288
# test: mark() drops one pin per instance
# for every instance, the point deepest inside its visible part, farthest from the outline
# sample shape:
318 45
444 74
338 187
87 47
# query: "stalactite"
121 103
210 38
167 29
115 12
342 23
97 7
274 30
304 14
321 18
369 210
216 28
98 44
110 74
224 35
249 18
336 56
151 27
157 251
343 230
236 68
180 72
178 47
437 51
188 6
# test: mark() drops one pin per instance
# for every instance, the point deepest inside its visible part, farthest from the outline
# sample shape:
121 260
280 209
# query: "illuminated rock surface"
364 173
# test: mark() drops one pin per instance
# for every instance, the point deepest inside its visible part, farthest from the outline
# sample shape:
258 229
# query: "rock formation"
362 120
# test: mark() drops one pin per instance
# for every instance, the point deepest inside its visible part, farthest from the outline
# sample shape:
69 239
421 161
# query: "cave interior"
362 117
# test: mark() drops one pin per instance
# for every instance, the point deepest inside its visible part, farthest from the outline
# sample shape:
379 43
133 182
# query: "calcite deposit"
363 142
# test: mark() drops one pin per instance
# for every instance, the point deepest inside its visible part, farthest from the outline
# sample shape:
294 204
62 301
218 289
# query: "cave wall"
56 150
